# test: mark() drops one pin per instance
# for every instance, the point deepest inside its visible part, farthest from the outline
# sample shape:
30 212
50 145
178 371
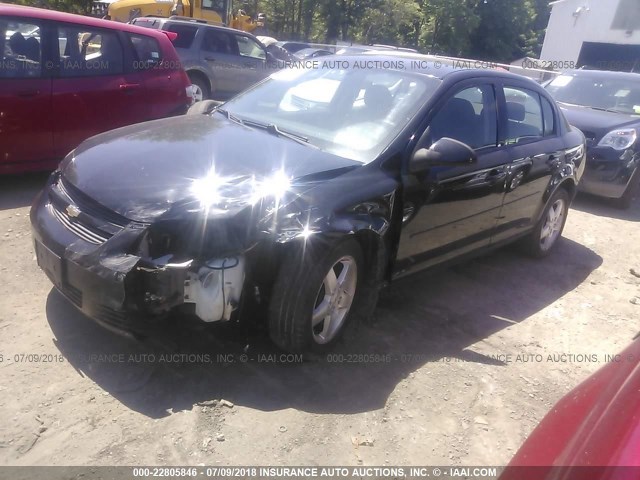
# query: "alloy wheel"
553 223
334 300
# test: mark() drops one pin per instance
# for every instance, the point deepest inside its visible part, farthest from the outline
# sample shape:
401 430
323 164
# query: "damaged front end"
128 275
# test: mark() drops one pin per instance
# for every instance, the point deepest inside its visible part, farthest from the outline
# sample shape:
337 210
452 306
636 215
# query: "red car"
592 433
64 78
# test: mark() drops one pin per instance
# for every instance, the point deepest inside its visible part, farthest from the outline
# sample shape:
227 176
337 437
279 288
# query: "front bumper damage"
91 261
608 172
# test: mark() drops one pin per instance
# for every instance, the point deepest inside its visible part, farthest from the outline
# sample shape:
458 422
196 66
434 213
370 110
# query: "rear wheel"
545 235
314 296
200 87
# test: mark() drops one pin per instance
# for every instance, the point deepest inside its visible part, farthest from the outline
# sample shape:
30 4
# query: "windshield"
617 95
351 113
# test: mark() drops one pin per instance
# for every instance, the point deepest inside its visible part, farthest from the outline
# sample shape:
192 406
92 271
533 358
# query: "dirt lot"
480 352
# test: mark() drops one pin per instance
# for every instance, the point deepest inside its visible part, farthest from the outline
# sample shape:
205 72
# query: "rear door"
535 152
219 50
164 84
26 121
451 210
93 91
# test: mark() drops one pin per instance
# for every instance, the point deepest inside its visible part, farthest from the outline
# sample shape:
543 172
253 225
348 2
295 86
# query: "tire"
202 108
203 91
302 289
624 202
544 237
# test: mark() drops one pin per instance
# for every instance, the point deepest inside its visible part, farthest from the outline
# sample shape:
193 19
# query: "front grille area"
89 235
91 222
89 206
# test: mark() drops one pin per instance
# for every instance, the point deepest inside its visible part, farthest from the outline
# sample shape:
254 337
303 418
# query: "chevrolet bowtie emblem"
72 211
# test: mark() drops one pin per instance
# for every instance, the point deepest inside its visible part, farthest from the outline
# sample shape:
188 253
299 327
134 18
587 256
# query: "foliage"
498 30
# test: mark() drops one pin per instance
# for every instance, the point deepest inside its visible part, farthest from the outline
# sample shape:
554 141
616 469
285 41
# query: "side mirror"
445 152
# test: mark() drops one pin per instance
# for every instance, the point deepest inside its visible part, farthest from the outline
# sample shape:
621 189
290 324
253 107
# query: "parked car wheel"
545 236
314 298
624 202
203 108
200 87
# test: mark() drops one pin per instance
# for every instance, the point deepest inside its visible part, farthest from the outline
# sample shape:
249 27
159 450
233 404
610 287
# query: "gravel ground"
468 361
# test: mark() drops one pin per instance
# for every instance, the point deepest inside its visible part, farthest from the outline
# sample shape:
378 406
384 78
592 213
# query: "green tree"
503 29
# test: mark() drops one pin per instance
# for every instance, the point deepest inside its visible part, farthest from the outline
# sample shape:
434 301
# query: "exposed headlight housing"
619 139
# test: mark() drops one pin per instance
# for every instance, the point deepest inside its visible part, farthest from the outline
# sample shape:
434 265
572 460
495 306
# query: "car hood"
595 124
144 170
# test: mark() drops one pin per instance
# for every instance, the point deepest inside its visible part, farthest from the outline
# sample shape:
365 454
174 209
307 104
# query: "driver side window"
469 117
87 52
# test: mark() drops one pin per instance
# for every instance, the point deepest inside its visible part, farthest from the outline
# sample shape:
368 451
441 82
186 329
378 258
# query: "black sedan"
606 107
304 195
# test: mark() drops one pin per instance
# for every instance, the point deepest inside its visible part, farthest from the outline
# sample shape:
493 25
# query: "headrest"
515 111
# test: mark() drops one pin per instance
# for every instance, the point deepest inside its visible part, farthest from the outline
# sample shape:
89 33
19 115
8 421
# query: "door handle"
129 86
28 93
496 175
209 59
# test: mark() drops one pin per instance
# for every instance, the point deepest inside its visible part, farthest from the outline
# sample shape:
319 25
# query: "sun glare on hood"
221 193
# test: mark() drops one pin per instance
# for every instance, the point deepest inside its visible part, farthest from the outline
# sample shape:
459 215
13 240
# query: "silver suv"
220 61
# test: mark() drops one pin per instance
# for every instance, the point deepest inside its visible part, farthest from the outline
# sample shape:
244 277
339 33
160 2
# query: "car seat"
378 101
32 49
457 120
17 43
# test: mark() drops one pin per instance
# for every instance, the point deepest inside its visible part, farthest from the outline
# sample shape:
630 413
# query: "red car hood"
596 424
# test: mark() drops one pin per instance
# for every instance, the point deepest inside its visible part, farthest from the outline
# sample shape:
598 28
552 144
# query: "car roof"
604 74
43 14
439 67
180 21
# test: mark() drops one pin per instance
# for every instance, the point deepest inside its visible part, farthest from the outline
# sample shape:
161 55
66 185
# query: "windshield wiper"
229 116
273 129
611 110
601 109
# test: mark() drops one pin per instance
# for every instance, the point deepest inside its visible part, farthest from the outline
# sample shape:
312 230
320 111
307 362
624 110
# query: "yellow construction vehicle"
212 11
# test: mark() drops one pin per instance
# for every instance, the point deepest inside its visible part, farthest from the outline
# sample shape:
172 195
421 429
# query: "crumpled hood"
597 123
143 170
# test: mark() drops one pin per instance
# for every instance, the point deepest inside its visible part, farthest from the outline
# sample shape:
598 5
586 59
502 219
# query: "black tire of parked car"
203 108
624 202
299 284
532 244
199 82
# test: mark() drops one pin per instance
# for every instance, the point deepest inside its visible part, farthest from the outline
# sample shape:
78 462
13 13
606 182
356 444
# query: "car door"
26 120
219 50
535 152
253 59
95 89
451 210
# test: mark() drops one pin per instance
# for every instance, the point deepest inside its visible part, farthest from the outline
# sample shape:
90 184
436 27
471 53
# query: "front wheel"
314 295
545 235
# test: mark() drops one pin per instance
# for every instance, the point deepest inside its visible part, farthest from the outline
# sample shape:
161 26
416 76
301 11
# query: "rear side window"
89 52
547 117
186 34
524 115
146 22
20 48
219 42
249 48
147 51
